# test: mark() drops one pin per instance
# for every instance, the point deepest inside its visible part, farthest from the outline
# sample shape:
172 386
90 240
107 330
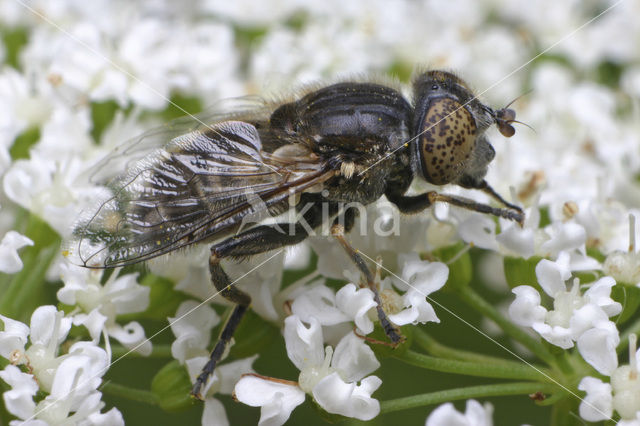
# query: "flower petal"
348 399
304 345
517 240
10 261
526 310
276 399
132 337
552 275
318 301
354 358
598 347
43 323
475 415
13 336
214 413
356 303
19 399
600 294
418 310
597 405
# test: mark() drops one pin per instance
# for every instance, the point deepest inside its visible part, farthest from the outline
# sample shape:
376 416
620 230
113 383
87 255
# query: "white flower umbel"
98 305
49 328
622 394
575 318
10 262
330 376
70 380
474 415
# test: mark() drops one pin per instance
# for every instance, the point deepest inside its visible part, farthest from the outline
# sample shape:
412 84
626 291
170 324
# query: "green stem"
499 371
563 413
122 391
159 351
474 300
439 397
634 328
564 363
435 348
36 278
552 400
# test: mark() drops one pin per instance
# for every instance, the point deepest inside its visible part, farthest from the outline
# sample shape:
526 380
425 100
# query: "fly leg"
338 230
486 188
415 203
253 241
512 214
242 300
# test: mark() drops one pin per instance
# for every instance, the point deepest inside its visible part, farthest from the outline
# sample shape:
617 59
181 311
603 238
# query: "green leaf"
180 106
102 114
519 271
163 298
252 335
14 39
23 143
380 343
629 297
609 73
460 266
172 387
401 70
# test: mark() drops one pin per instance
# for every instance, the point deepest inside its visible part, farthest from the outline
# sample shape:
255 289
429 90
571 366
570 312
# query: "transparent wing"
133 150
199 186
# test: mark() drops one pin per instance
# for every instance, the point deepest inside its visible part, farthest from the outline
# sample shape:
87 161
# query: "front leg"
410 204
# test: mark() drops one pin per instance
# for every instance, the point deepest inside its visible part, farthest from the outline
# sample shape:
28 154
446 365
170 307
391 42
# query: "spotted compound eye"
447 142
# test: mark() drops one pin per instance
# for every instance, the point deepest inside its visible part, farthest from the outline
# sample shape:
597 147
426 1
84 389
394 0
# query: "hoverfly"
347 142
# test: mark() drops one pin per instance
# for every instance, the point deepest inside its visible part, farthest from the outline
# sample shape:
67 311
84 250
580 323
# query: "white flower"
10 262
192 327
100 304
575 318
419 278
70 380
48 330
19 400
277 400
330 377
319 301
597 405
356 303
621 394
51 188
623 267
223 381
474 415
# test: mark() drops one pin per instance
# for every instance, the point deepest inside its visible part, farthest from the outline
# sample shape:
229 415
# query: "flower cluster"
576 318
70 380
